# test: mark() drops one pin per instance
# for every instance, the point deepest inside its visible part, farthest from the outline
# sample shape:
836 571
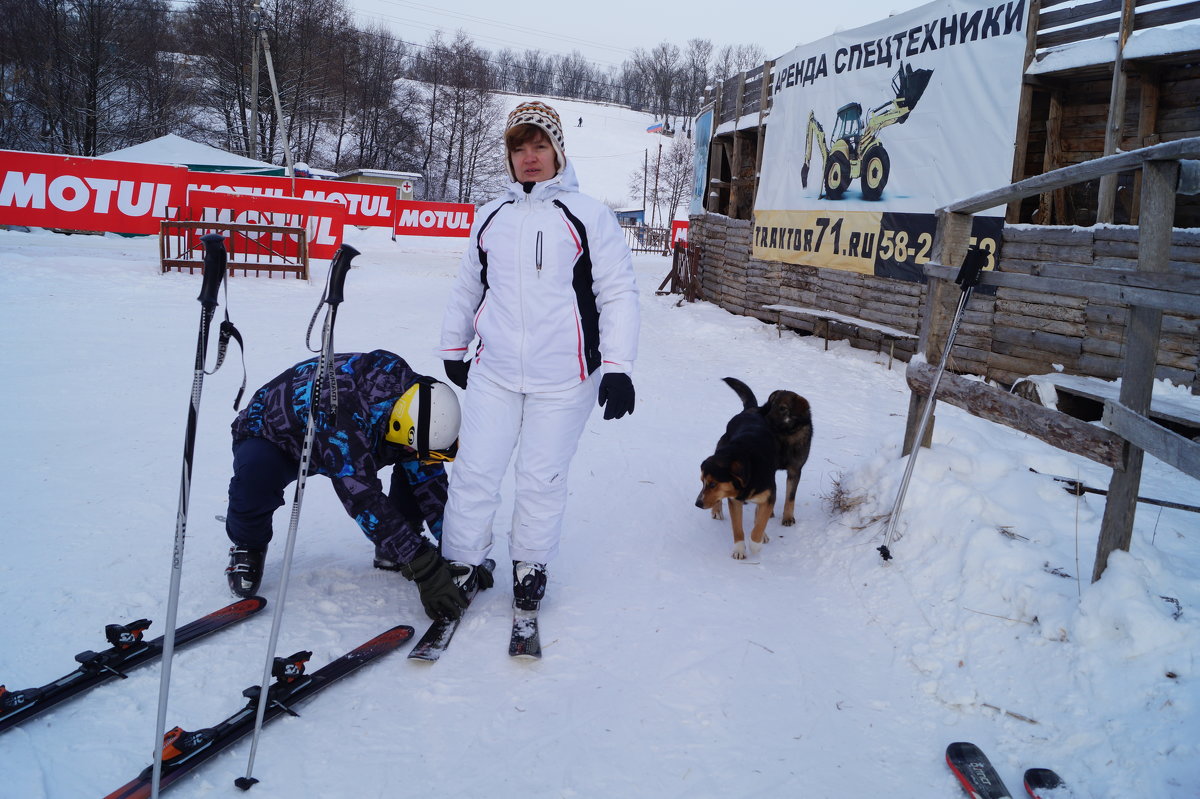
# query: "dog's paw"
716 512
739 551
788 521
755 546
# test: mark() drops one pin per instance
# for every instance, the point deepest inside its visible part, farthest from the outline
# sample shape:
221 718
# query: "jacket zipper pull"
538 254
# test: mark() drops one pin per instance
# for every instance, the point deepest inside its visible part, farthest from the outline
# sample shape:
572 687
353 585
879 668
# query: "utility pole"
260 35
657 163
645 177
255 18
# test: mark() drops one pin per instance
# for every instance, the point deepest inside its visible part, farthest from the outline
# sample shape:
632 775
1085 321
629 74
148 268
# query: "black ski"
1042 783
127 651
979 779
525 641
183 751
435 640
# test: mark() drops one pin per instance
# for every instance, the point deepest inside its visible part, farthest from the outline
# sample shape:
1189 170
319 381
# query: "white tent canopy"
172 149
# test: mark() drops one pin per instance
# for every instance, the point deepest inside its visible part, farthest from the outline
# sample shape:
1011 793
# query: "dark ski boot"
245 570
529 584
470 579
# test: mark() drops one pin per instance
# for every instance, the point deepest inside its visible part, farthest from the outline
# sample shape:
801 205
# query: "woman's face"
534 160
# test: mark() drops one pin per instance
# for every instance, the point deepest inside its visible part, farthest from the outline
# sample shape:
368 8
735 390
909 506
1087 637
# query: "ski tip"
963 749
400 633
1043 783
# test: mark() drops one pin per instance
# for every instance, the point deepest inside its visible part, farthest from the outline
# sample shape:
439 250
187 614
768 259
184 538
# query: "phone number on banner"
883 244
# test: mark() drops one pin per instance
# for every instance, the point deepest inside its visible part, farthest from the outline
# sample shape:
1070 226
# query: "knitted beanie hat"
542 116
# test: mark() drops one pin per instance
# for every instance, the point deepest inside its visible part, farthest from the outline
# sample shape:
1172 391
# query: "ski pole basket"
254 250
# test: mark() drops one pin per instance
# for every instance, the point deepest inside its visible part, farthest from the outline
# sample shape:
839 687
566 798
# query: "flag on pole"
655 128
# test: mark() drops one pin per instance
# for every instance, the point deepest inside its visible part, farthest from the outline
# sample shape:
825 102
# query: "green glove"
440 596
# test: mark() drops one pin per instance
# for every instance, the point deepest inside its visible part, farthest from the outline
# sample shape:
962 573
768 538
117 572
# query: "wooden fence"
1153 289
253 249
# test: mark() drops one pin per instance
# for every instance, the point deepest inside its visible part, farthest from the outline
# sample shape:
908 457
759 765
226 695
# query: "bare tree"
694 77
732 59
75 72
375 119
664 179
660 69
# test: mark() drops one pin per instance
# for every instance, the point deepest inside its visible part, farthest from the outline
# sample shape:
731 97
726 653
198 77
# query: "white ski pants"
544 430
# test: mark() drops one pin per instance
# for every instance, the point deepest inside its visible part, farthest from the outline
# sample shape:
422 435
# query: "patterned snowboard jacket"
353 450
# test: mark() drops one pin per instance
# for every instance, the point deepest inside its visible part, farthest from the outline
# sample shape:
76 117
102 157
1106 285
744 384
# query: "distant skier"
580 125
387 415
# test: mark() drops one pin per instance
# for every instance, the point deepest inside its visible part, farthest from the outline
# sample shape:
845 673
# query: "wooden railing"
253 249
1126 433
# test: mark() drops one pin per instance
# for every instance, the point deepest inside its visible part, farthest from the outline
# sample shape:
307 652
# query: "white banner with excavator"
873 129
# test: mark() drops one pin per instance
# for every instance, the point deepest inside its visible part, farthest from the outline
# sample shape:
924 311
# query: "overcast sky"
607 31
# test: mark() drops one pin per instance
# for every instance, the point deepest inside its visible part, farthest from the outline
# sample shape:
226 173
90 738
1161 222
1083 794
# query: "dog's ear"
737 474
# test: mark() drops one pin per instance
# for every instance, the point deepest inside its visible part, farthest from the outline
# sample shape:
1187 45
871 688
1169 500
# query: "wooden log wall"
1067 126
1003 337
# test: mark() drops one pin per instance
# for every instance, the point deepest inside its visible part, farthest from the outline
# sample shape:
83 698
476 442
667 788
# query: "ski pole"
968 278
1077 488
215 260
322 375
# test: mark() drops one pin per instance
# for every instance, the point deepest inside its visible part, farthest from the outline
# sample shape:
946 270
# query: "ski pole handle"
215 259
972 267
338 271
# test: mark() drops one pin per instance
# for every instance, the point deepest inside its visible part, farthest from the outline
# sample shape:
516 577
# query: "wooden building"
1075 107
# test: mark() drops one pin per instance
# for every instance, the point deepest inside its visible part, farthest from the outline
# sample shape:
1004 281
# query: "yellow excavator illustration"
856 151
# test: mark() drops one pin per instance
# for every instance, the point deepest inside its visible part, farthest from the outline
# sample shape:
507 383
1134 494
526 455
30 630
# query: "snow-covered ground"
670 669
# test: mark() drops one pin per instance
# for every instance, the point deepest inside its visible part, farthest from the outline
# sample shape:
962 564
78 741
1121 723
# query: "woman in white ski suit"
547 286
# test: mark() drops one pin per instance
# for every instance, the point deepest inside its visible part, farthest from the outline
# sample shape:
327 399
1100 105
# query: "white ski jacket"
547 285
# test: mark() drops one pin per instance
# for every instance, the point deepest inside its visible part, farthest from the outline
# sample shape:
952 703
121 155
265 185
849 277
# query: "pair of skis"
128 650
524 643
183 751
981 781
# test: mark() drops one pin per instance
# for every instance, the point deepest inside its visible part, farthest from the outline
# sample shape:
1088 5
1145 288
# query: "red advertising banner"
322 221
433 219
366 204
56 191
679 231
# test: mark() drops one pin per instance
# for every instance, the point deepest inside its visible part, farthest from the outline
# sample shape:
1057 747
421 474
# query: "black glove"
440 596
616 395
457 372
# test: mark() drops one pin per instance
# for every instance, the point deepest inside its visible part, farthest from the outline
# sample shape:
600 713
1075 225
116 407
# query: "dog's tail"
749 401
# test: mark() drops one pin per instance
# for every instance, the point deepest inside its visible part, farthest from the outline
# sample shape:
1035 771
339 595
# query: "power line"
492 23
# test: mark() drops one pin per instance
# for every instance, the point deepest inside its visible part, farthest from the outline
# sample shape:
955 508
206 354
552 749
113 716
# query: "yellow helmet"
426 418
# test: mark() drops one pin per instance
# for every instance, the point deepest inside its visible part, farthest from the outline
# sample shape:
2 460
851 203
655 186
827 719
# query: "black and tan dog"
757 442
790 418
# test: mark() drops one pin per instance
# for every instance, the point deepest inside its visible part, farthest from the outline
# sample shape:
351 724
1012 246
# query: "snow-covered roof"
172 149
1151 42
382 173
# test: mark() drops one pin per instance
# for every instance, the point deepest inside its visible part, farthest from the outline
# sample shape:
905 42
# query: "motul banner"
434 219
366 204
679 232
56 191
323 221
